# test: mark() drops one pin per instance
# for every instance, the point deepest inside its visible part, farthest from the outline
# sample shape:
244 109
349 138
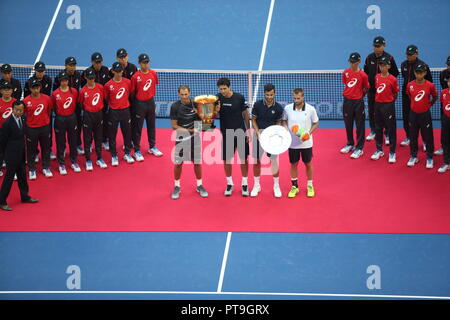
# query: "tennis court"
405 255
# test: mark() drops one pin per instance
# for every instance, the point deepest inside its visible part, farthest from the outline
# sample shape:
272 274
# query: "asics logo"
352 83
447 107
7 113
381 87
420 95
67 103
96 99
148 84
120 93
38 109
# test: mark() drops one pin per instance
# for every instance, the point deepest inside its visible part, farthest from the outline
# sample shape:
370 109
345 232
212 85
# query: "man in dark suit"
12 142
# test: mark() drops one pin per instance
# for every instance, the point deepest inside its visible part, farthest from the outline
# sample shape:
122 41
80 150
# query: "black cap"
39 66
143 57
121 53
354 57
379 41
71 60
96 57
448 60
89 73
63 76
6 85
35 83
420 68
411 49
385 60
116 66
5 68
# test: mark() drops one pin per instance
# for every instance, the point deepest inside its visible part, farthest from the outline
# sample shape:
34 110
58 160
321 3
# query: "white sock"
244 181
276 181
230 180
310 183
199 182
256 180
177 183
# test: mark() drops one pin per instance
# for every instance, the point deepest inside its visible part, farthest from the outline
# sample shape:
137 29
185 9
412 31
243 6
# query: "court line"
224 262
47 35
263 50
336 295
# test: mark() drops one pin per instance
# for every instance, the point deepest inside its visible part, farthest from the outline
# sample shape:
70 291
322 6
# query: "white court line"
224 262
263 50
47 35
336 295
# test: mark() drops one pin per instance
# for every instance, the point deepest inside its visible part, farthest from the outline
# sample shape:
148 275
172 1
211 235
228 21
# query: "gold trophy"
205 109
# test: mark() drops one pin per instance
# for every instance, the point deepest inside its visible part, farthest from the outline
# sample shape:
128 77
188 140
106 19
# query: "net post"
250 91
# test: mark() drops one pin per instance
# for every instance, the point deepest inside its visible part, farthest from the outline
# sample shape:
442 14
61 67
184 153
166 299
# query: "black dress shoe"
30 200
5 207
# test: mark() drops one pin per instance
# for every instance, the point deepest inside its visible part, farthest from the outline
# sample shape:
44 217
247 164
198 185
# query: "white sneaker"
1 173
101 163
424 147
155 151
386 141
443 168
15 177
347 149
412 162
32 175
36 159
80 150
138 156
114 161
439 152
47 173
276 191
392 157
62 170
105 146
377 154
75 167
89 166
128 158
430 164
371 136
356 154
405 142
52 156
256 189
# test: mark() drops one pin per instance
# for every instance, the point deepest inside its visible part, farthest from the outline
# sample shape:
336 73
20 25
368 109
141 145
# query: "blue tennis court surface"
200 34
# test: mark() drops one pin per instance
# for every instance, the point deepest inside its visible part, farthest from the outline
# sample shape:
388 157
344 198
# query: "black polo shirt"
102 76
16 87
231 111
266 116
46 83
128 71
407 70
372 67
443 76
185 114
74 81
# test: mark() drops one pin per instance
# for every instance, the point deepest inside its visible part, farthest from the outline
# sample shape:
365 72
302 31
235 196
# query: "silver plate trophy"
205 109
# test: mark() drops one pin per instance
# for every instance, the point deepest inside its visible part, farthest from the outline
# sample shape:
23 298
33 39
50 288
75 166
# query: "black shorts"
230 145
188 150
294 155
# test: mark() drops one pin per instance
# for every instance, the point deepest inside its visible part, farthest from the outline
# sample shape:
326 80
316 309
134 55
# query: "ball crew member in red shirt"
91 98
38 107
356 86
117 92
386 92
419 92
143 88
6 102
65 102
445 128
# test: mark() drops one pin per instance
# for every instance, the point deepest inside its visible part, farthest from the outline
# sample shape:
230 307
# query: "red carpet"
352 196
